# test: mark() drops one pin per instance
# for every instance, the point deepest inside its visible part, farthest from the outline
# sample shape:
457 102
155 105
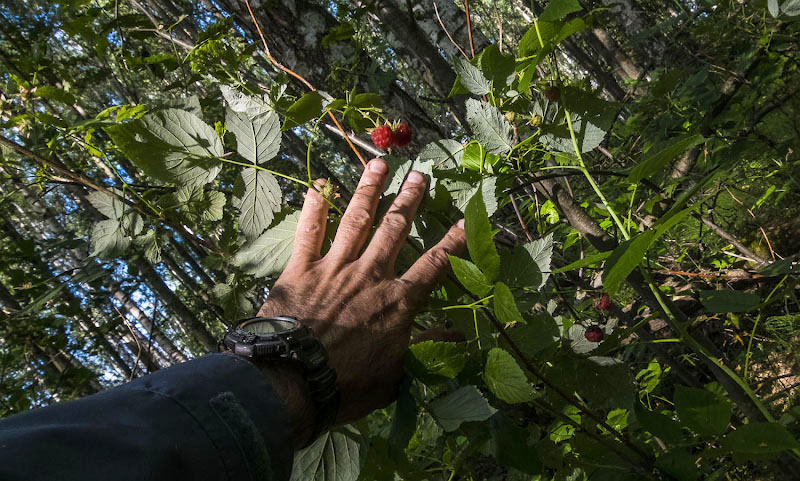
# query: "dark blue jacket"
213 418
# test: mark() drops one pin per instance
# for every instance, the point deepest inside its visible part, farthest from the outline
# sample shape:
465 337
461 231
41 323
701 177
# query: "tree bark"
173 303
158 337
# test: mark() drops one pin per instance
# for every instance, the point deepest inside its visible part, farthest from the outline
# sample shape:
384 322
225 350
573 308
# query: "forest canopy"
627 171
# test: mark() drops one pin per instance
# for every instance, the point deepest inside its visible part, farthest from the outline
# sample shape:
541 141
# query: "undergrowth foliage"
549 384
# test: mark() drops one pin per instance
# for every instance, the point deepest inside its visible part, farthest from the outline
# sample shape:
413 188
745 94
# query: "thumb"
439 334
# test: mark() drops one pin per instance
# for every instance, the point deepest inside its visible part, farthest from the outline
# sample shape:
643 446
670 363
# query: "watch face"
265 326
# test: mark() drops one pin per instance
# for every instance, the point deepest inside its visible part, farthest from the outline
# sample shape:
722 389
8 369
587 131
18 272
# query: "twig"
436 10
302 80
744 275
360 142
519 217
469 29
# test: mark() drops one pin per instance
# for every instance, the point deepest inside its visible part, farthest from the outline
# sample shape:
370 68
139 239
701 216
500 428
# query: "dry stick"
361 143
745 275
469 29
303 80
749 211
436 10
59 168
519 217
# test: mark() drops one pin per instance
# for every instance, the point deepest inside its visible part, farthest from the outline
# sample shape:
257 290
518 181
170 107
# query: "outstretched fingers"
423 276
311 226
357 219
391 234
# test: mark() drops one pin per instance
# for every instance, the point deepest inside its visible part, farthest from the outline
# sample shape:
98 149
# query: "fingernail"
320 182
415 177
460 224
378 166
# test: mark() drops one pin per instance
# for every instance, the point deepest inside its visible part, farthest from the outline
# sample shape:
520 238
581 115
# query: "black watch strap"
298 345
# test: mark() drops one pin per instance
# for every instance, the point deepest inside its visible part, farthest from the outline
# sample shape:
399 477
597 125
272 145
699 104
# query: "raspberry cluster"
384 136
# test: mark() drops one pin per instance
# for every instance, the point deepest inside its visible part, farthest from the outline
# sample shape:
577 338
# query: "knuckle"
394 221
357 219
437 258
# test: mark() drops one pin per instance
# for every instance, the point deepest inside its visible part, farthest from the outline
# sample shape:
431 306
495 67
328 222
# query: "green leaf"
478 231
462 405
471 77
445 154
489 126
538 333
109 239
172 146
307 107
506 379
661 425
462 192
233 300
760 438
268 255
588 135
107 205
702 411
498 67
656 162
679 464
558 9
55 93
242 103
260 200
195 204
529 264
470 276
398 173
334 456
729 301
258 138
504 305
151 245
604 382
508 443
445 359
586 261
625 258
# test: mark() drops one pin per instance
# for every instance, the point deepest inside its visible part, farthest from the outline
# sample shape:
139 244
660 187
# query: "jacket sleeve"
213 418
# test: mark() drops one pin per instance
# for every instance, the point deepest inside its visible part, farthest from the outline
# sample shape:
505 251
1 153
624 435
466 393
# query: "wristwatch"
285 338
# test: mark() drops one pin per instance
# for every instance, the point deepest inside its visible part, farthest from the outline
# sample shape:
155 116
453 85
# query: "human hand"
353 301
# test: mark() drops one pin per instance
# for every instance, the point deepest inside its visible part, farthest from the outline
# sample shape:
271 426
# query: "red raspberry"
602 303
594 334
553 94
401 135
382 137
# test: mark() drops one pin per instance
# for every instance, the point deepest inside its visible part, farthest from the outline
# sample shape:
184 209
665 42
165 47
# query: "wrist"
289 384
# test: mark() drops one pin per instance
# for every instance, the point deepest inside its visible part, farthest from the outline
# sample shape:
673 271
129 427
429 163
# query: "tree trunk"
156 334
182 314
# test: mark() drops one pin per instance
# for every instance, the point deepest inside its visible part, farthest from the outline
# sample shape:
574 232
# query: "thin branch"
469 28
360 142
520 219
436 10
302 80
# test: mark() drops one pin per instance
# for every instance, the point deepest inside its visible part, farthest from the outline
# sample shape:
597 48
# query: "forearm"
289 384
211 418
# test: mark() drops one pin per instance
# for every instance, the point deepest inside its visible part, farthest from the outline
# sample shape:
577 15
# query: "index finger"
311 226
